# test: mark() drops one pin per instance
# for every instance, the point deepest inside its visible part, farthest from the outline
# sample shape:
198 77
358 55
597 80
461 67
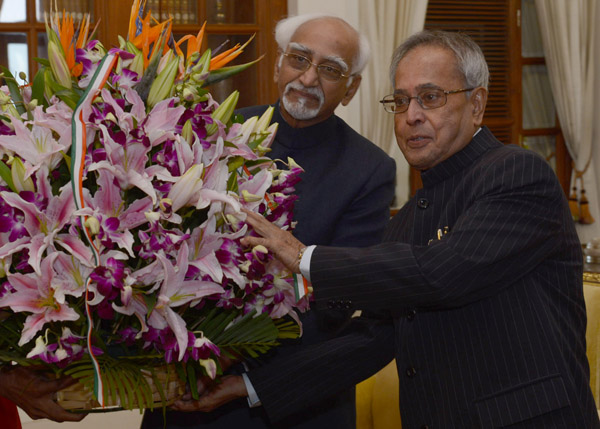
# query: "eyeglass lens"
428 99
302 63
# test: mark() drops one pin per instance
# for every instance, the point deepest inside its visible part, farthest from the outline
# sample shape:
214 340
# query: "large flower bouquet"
122 184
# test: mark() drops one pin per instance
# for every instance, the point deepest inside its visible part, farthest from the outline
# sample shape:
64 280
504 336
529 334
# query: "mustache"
313 90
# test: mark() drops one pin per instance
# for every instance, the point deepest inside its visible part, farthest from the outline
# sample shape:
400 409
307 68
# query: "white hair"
286 28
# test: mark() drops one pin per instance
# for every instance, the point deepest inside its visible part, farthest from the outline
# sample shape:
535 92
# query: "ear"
478 101
277 65
351 90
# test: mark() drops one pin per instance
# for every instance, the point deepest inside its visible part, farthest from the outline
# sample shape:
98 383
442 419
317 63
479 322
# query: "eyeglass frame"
318 66
420 100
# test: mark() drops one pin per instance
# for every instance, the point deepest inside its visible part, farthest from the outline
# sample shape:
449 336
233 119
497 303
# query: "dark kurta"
489 319
344 199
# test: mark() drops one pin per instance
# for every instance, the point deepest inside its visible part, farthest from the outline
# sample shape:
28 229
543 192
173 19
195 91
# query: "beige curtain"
569 37
386 24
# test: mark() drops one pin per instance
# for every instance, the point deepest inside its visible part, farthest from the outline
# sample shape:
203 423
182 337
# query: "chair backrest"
591 290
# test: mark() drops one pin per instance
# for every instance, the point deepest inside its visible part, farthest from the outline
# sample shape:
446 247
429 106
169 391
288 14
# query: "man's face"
307 98
428 137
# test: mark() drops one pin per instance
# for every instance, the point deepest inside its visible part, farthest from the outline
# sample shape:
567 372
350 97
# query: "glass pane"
531 37
544 145
182 11
14 53
538 104
230 12
13 11
246 81
76 7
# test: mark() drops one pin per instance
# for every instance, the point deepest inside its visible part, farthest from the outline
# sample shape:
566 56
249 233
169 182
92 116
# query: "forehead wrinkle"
419 88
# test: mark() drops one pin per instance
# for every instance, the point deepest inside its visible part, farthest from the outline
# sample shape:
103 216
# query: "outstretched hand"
229 388
281 243
34 393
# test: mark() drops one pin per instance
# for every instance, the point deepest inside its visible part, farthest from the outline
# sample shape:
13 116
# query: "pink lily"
35 146
37 294
107 203
176 291
44 226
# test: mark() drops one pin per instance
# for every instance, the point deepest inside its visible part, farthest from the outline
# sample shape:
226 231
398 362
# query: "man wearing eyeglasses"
481 271
343 200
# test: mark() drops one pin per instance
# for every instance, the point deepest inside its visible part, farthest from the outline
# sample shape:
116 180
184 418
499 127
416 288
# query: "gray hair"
286 28
470 60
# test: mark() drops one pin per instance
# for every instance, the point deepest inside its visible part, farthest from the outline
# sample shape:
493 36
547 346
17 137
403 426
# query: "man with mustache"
343 200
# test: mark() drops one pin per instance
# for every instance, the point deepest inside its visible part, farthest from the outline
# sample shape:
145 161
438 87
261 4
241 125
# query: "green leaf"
226 72
38 87
232 182
43 61
193 382
7 176
13 87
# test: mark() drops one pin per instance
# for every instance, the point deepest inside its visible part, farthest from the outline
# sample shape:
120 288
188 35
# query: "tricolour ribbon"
78 151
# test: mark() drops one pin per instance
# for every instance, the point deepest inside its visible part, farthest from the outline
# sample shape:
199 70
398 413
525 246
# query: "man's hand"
34 394
230 388
281 243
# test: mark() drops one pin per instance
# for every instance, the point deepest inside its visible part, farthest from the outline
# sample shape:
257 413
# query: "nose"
310 77
415 113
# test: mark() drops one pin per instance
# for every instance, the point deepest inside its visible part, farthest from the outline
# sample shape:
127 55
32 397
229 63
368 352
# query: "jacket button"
348 305
411 315
411 372
330 305
423 203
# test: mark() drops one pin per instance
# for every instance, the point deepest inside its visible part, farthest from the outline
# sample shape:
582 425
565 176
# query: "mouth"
417 141
298 93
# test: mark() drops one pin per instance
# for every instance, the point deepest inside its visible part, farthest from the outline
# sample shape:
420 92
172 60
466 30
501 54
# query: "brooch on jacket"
440 234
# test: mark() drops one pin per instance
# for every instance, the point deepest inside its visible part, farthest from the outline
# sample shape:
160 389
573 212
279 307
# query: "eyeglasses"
302 64
427 99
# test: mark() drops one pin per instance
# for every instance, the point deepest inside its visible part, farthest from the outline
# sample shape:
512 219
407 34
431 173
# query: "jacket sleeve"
295 383
363 222
513 221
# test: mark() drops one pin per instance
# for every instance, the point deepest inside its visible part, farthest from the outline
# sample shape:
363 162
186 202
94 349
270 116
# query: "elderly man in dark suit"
481 272
343 200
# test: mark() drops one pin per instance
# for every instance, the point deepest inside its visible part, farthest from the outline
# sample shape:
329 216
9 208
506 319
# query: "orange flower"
65 29
149 35
229 55
194 43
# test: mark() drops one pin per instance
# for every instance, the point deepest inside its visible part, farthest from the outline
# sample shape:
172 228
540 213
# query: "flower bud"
264 120
186 189
152 216
188 132
162 87
18 171
223 112
59 66
250 198
93 225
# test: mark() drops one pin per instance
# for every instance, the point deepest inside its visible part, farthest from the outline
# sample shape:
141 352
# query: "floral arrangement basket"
122 184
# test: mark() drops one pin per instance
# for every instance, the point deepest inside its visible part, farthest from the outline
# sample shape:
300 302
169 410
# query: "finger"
254 241
187 406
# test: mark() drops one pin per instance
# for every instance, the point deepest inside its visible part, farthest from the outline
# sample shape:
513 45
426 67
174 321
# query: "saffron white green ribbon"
78 151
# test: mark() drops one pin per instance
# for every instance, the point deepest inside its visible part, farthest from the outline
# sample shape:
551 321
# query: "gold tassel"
584 210
574 205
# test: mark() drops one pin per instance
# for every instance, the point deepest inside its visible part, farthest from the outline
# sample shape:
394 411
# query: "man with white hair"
343 200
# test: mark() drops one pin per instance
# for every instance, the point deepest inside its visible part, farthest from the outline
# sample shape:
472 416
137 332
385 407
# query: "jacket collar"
483 141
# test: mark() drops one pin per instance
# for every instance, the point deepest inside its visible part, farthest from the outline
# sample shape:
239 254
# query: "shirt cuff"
305 262
253 399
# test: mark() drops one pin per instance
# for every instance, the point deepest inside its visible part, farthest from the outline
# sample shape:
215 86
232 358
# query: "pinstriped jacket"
482 274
